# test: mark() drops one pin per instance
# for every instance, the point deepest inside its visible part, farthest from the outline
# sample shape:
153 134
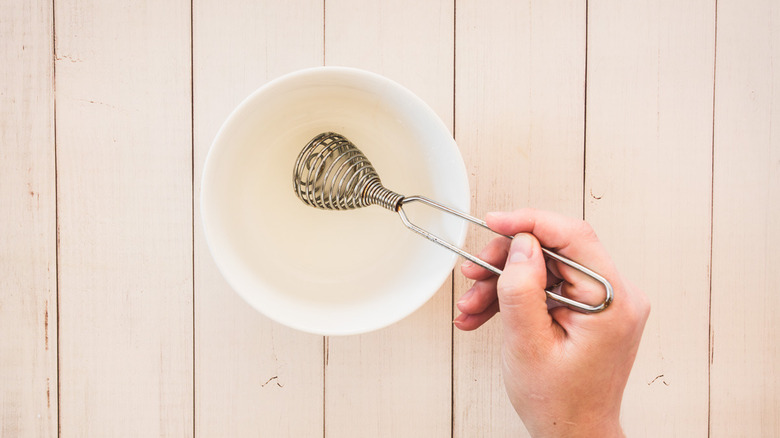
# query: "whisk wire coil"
332 174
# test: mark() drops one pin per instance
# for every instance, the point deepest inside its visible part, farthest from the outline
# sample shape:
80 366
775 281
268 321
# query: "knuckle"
634 317
640 299
530 211
630 320
644 306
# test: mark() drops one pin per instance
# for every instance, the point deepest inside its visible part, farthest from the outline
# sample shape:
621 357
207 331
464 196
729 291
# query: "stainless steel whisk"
331 173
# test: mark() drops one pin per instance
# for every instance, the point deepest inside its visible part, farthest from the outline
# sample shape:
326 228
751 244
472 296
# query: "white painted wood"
126 260
520 86
28 264
397 381
648 191
125 218
253 377
745 376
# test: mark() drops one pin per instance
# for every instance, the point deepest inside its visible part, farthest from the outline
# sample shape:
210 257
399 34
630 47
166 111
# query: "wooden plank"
520 77
396 381
745 382
252 376
649 141
124 168
28 264
650 70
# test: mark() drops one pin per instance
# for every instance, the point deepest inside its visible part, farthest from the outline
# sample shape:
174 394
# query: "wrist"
611 429
569 429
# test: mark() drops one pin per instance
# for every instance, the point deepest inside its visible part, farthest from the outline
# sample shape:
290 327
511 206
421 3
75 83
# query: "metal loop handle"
575 305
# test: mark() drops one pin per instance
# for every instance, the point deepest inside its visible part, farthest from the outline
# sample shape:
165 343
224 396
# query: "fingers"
521 290
481 295
468 322
568 237
480 303
571 238
552 229
494 253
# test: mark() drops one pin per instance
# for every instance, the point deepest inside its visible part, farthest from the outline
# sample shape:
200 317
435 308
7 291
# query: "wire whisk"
331 173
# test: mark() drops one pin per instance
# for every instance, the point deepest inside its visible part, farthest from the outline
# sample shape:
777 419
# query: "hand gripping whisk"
332 174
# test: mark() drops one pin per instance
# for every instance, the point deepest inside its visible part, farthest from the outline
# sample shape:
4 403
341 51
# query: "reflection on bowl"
330 272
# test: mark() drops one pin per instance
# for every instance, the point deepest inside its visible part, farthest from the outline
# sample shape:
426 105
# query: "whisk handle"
575 305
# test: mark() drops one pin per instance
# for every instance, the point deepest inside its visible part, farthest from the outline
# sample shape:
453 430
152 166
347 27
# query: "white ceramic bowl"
331 272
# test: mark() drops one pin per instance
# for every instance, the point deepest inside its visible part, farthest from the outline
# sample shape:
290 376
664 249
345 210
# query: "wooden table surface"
656 121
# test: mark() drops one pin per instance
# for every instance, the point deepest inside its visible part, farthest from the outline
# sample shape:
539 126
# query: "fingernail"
521 248
460 318
465 297
467 264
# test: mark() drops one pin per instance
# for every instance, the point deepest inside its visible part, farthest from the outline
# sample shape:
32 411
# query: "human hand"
564 371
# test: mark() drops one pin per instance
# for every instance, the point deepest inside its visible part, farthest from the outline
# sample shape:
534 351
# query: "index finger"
573 238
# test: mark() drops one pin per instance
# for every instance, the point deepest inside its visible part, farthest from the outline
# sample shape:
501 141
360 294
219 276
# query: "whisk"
331 173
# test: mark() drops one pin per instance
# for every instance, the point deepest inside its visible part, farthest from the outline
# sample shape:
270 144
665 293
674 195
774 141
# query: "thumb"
520 288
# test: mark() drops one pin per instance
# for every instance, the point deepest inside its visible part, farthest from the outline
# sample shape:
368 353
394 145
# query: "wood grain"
28 265
745 378
125 218
104 271
520 87
396 381
649 141
252 376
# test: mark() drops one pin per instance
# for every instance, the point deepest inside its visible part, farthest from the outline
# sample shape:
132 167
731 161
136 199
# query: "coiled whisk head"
331 173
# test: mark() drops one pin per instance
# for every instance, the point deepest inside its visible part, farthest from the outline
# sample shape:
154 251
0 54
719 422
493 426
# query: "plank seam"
452 280
585 118
324 338
192 205
56 205
710 337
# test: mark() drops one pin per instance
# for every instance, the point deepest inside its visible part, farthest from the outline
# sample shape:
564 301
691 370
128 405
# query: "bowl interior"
331 272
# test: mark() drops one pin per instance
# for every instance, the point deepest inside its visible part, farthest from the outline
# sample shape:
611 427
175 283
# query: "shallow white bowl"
331 272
